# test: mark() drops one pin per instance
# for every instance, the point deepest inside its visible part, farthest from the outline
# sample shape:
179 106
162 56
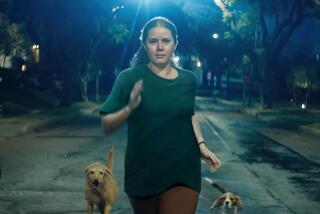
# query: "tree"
14 40
265 29
304 78
73 41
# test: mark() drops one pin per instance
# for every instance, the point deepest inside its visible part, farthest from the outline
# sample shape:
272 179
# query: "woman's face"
159 45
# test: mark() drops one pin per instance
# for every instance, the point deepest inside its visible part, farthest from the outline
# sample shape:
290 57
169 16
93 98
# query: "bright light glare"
34 47
215 36
303 106
198 64
24 67
176 59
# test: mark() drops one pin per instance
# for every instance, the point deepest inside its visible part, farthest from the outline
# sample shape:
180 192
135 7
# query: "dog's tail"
215 185
110 159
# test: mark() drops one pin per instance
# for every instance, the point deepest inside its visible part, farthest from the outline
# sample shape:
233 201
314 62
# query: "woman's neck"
163 70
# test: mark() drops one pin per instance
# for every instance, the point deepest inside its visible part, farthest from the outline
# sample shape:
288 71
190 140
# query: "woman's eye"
166 41
152 41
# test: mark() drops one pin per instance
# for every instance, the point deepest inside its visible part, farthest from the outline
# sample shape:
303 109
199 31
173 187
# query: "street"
43 172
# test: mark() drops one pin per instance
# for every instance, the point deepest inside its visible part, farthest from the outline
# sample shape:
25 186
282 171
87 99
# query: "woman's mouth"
160 55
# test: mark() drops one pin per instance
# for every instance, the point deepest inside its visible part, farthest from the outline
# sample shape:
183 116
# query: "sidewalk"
304 144
28 123
302 139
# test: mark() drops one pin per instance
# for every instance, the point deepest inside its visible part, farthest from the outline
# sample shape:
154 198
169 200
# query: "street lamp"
215 36
198 64
36 52
23 67
115 9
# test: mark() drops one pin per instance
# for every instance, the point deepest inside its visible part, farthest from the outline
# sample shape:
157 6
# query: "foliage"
304 77
118 32
261 29
14 40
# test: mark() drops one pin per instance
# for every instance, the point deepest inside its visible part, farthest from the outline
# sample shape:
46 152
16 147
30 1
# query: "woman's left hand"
209 157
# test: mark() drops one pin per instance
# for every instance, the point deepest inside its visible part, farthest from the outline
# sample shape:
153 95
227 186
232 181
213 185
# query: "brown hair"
141 57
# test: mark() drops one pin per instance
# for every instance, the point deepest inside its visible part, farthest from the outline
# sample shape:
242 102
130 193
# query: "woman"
165 143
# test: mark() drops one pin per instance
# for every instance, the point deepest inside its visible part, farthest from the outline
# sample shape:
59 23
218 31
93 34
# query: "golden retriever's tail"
214 184
110 159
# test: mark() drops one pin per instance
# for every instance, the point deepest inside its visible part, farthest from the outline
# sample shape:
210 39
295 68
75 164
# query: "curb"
34 127
291 149
309 130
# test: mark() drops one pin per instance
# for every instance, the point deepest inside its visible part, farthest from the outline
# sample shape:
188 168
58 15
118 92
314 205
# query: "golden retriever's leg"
107 210
90 208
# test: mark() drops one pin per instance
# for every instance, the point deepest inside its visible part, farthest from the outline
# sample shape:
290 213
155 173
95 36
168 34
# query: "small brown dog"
226 200
101 188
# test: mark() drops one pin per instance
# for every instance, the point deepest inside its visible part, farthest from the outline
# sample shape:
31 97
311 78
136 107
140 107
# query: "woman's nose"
160 46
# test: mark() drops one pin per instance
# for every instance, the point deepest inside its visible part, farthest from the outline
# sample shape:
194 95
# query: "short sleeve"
116 100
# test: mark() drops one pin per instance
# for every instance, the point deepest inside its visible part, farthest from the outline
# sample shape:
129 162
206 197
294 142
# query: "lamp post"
215 36
36 53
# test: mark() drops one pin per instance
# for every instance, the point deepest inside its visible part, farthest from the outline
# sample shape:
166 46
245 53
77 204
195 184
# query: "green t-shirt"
162 148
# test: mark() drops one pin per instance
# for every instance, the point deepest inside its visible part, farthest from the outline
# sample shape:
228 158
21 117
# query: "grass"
298 120
68 110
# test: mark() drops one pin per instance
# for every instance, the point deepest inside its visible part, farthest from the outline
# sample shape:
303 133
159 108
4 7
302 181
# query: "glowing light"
215 36
36 53
303 106
198 64
176 59
35 46
115 8
24 68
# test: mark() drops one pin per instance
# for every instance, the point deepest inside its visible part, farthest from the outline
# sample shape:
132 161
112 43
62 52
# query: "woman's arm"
208 156
113 121
196 128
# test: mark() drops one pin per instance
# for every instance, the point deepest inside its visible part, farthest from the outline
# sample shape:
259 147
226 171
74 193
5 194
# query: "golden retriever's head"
96 173
228 200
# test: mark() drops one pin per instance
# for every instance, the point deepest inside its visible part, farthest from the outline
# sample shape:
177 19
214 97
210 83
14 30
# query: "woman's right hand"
135 95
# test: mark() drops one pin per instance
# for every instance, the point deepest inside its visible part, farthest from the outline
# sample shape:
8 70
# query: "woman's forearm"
196 128
113 121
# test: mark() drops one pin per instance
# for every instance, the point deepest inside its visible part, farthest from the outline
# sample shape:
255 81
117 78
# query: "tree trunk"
84 89
97 88
244 92
66 93
268 79
4 60
228 86
307 96
249 91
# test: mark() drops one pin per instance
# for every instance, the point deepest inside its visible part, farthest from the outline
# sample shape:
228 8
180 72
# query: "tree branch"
263 22
286 22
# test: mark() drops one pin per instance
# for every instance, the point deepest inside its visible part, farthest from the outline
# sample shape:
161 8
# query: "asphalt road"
44 172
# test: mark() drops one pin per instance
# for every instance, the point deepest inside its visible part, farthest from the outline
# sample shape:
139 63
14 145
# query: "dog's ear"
86 170
218 202
237 200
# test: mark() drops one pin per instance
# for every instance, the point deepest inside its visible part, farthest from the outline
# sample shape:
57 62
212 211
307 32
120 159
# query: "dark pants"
179 199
